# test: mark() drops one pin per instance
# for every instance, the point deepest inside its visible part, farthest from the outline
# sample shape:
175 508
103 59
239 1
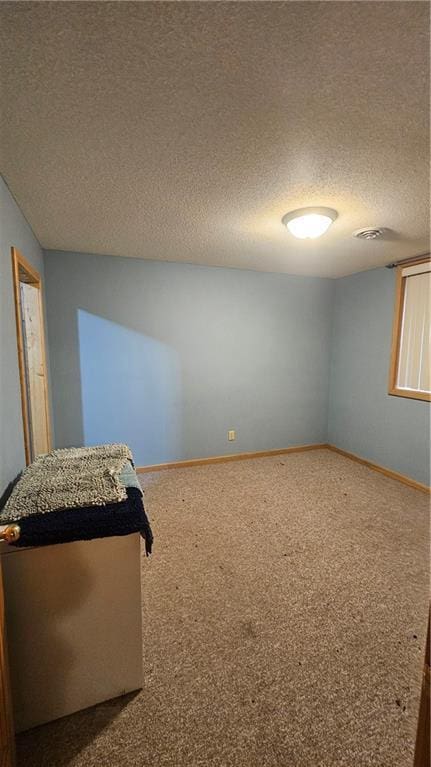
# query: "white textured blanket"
68 478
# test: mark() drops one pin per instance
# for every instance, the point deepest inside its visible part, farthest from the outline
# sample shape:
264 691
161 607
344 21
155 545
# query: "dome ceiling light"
309 223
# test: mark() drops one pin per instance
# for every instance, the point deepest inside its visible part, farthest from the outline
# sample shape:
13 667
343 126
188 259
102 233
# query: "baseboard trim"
230 457
283 451
382 469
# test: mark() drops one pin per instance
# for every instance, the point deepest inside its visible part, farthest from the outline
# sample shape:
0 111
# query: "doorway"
31 356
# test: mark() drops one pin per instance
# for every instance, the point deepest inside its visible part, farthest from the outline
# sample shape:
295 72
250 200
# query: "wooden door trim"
422 747
20 264
7 735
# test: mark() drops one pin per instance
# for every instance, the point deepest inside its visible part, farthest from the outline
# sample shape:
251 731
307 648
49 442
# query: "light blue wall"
168 357
14 231
363 418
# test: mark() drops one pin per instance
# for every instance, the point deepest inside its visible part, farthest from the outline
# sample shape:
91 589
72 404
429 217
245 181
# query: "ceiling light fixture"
309 223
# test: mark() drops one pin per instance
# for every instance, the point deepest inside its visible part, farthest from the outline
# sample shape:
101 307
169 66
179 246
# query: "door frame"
7 733
22 271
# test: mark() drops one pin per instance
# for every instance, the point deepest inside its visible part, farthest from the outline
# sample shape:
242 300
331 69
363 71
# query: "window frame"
393 389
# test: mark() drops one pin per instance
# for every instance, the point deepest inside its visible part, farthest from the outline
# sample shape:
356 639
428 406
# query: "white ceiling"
184 131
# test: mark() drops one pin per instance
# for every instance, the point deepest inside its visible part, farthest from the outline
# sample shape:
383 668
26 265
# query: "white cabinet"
73 614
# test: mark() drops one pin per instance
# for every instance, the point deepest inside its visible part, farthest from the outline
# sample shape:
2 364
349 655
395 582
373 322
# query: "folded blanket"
78 494
68 478
128 476
85 523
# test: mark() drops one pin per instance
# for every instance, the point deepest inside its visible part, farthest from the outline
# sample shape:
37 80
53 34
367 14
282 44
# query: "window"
410 374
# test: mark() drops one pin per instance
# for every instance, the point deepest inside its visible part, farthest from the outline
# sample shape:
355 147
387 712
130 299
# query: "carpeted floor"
284 624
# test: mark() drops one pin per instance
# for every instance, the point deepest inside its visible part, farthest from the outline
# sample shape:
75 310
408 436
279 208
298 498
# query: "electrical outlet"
231 435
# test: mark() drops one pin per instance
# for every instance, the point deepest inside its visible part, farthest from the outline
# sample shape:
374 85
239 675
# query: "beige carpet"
284 624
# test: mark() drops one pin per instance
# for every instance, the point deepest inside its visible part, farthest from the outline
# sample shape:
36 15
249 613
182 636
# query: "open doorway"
31 356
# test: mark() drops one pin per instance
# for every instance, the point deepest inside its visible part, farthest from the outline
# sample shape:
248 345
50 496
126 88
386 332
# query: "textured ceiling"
184 131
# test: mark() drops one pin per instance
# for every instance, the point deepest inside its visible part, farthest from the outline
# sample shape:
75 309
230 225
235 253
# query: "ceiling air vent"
368 234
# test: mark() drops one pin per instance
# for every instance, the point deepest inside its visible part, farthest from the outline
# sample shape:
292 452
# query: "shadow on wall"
130 389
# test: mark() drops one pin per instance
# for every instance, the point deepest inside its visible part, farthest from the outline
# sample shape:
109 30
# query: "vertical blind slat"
415 343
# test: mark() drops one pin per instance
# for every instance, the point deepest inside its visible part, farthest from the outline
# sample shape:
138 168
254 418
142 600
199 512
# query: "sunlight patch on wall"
130 390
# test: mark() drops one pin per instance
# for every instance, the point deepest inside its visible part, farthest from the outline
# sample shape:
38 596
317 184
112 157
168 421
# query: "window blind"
415 343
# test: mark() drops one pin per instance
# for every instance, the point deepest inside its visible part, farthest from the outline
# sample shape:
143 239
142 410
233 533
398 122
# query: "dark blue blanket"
88 522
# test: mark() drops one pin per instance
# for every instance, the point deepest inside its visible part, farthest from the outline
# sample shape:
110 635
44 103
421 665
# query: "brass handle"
9 533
